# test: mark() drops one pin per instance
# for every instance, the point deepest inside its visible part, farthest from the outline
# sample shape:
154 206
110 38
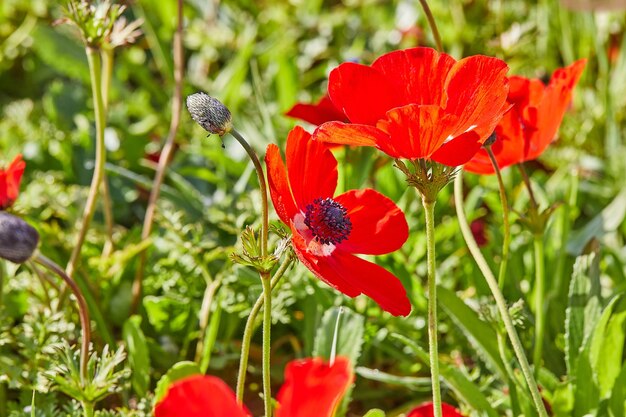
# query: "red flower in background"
426 410
328 230
533 121
312 388
10 179
418 103
321 112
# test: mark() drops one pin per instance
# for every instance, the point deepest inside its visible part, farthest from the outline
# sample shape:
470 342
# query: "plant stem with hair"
432 24
107 55
506 243
267 328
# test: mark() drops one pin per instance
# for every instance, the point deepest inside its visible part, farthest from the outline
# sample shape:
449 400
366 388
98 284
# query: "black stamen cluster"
328 221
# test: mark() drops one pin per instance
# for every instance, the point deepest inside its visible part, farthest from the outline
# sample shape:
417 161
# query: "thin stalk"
107 72
261 176
205 310
429 211
267 328
93 58
88 409
506 243
83 312
249 329
540 317
166 154
526 179
432 24
497 295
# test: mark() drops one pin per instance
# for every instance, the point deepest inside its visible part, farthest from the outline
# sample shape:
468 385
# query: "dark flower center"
328 221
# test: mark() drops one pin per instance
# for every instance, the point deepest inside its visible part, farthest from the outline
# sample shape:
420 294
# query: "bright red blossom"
10 179
418 103
312 388
328 230
427 410
321 112
531 124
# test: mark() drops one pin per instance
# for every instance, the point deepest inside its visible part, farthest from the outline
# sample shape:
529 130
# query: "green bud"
209 113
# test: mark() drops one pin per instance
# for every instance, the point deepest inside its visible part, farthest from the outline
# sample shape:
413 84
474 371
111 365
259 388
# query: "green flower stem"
540 317
506 243
267 327
432 24
83 312
429 211
249 329
497 294
88 409
166 154
107 72
261 176
93 58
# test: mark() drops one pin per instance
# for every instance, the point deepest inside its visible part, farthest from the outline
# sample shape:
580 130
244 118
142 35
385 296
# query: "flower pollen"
328 221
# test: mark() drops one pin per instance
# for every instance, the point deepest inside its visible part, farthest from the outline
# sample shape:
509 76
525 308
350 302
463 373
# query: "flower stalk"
432 24
267 346
506 243
107 55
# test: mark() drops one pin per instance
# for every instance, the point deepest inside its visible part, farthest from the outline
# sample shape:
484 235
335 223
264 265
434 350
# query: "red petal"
419 72
476 90
362 93
378 225
323 111
280 190
10 182
311 167
313 388
416 131
199 396
458 150
350 134
427 410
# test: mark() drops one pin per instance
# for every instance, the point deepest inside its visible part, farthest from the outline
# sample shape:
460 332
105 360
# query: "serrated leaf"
178 371
138 355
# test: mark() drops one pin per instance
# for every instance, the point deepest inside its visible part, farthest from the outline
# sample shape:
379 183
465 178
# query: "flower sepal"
428 177
250 254
535 220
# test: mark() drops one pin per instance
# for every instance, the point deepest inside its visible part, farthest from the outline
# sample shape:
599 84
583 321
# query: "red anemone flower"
418 103
533 121
312 388
328 230
10 179
321 112
427 410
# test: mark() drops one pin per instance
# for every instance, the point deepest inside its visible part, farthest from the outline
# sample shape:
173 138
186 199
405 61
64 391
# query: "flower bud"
490 140
209 113
18 239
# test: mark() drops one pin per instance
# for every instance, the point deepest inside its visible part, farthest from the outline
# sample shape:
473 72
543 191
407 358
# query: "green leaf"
479 333
617 401
463 387
409 382
138 355
178 371
210 336
375 413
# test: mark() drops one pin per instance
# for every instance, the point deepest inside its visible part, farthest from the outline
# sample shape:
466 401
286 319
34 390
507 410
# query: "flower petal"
322 111
280 190
419 72
10 182
199 396
476 91
416 131
378 224
311 168
458 150
350 134
427 410
313 388
362 93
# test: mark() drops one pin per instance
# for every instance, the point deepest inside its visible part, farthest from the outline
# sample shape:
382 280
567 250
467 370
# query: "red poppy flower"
312 388
427 410
321 112
10 179
328 230
418 103
533 121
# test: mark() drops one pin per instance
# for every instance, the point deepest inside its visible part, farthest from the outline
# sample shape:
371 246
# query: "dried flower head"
18 239
209 113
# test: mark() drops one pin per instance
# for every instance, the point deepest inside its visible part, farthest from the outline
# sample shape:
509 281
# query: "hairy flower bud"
209 113
18 239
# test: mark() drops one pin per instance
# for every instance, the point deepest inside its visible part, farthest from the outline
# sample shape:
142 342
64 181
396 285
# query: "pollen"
328 221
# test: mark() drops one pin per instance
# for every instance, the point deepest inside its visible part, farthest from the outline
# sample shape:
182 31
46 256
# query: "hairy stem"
166 154
249 329
429 211
432 24
506 243
497 295
205 310
107 55
267 346
540 318
93 58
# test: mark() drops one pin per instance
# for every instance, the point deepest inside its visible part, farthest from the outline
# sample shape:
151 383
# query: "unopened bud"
209 113
490 140
18 239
